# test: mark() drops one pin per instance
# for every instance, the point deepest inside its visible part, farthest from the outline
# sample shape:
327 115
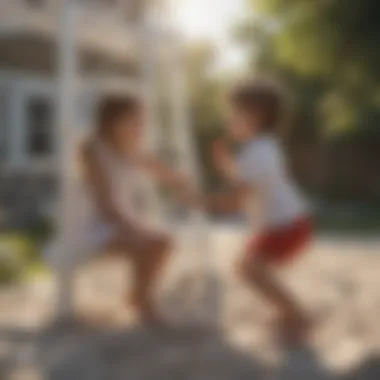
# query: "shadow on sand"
140 353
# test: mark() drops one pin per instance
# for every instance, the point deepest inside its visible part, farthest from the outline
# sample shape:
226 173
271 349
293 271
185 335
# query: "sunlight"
200 19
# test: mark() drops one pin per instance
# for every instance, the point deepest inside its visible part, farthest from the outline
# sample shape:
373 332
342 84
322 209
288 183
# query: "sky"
212 20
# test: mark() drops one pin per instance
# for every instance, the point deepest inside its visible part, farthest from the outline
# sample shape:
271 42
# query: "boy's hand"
220 151
224 160
182 181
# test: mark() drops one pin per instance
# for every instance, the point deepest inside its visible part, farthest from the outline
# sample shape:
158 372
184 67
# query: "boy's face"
241 125
129 131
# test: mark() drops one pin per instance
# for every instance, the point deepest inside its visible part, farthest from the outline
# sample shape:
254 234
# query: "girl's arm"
101 190
172 179
164 174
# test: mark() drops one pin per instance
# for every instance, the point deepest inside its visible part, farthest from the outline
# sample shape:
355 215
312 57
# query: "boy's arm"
224 160
230 201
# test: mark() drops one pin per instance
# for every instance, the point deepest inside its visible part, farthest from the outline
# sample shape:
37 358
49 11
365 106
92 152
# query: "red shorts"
281 245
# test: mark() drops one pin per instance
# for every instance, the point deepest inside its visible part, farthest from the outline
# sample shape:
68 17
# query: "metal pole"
200 227
149 59
205 281
65 142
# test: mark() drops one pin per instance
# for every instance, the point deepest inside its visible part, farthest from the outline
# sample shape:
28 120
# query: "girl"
105 201
256 114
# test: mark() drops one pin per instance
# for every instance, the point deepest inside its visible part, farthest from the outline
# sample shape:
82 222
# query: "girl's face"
241 125
128 132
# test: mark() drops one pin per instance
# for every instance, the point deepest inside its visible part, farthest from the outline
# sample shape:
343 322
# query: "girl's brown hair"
111 109
263 97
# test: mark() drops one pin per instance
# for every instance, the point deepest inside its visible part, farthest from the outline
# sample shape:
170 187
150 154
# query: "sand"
338 281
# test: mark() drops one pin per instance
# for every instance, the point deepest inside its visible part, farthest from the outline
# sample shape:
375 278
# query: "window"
4 120
39 127
35 3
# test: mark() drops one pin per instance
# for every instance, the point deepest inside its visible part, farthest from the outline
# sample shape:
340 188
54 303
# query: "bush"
19 256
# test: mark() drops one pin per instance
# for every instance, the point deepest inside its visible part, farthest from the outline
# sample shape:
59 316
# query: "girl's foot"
73 322
148 313
132 301
151 317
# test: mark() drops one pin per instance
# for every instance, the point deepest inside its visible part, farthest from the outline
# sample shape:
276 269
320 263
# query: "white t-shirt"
261 164
84 231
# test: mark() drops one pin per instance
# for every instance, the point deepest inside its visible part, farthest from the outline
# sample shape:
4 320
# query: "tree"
334 43
326 52
206 101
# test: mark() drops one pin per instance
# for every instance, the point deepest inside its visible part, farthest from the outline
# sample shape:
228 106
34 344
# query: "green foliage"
333 42
206 92
326 52
16 253
349 219
20 252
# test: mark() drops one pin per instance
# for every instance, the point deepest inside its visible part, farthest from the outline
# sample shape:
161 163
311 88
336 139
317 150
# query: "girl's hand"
191 198
165 174
139 230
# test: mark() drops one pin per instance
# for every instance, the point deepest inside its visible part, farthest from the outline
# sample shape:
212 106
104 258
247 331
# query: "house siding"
4 122
28 57
38 54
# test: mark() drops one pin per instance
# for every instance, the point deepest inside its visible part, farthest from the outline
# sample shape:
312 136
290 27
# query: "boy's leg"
259 276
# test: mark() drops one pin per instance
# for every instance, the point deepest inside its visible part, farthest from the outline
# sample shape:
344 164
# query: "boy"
256 115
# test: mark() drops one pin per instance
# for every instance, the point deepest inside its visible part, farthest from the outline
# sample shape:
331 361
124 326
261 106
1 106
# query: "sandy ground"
339 281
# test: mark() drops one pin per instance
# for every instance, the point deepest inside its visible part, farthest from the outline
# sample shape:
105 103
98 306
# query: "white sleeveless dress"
83 232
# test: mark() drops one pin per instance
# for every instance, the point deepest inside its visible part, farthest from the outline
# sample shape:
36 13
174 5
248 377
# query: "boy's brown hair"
263 97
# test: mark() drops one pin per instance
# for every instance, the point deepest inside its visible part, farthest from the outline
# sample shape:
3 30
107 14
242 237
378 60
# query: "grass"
20 250
19 257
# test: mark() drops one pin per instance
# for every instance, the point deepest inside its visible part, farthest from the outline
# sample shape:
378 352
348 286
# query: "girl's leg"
65 289
148 256
147 267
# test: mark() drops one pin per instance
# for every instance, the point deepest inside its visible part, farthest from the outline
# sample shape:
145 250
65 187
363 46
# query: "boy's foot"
294 330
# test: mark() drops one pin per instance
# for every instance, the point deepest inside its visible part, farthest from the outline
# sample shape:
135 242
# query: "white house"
29 35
